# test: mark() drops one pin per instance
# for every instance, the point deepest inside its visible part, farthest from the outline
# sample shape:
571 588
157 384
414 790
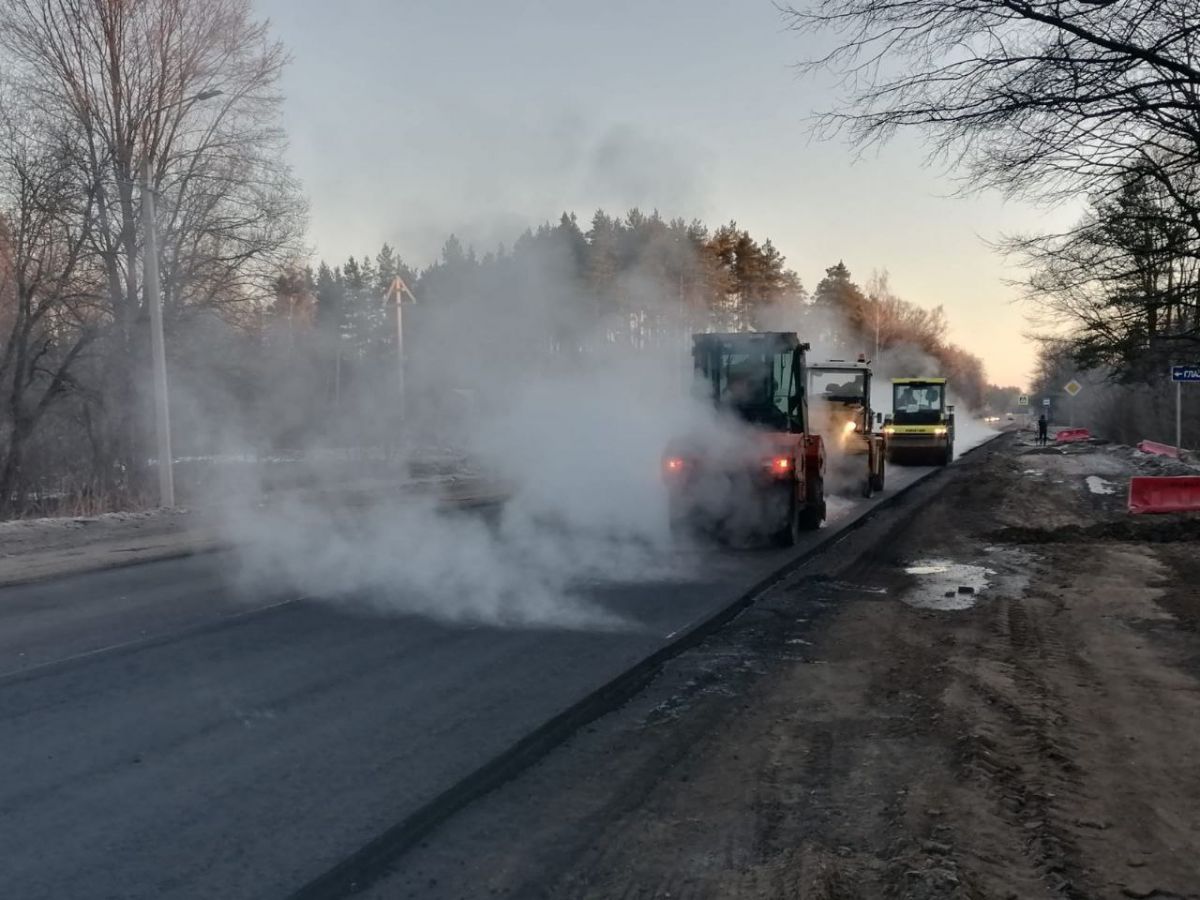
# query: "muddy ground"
869 732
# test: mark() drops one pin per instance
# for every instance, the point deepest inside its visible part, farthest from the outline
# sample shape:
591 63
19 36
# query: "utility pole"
162 411
400 352
158 350
1179 419
337 377
399 290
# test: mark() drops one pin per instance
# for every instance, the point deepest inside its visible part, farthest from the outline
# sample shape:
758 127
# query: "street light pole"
400 355
400 290
158 350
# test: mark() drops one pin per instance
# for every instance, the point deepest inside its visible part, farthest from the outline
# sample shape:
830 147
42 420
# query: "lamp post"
400 290
158 350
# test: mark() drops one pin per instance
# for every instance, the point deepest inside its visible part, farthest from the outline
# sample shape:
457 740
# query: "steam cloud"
578 442
581 453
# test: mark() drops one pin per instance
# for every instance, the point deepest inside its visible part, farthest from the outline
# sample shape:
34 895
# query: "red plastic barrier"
1073 434
1155 494
1158 449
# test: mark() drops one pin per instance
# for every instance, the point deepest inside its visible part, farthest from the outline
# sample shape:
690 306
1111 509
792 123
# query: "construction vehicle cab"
839 393
759 472
758 377
921 427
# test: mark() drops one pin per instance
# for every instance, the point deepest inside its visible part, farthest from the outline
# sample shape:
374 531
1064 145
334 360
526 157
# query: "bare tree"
1031 95
48 294
890 320
1125 281
122 78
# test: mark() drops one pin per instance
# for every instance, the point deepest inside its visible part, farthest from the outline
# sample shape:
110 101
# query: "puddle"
946 585
1098 485
927 570
856 588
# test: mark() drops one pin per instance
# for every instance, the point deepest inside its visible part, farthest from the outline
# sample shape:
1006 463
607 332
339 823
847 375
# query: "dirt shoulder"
874 728
35 549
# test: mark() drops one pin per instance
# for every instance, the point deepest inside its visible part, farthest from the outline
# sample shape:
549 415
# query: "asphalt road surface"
163 737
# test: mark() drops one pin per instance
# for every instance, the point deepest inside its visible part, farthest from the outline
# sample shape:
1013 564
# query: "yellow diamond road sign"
1073 387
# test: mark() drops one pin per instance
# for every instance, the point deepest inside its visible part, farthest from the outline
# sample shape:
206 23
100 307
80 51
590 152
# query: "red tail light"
781 465
674 464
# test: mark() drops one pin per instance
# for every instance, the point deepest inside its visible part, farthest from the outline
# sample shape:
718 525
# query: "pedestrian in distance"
1043 430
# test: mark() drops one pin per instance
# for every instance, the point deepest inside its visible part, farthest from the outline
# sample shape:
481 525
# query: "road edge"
375 859
205 548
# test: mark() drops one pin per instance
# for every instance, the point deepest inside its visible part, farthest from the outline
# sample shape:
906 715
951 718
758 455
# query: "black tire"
868 488
878 481
789 534
813 513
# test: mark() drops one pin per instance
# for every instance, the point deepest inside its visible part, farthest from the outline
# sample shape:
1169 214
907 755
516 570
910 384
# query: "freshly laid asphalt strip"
163 738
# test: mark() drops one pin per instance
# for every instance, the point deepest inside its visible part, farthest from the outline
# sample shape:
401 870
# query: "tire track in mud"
1024 756
793 800
1007 731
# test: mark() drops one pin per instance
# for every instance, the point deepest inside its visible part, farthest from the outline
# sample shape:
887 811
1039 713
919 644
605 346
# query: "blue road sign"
1185 373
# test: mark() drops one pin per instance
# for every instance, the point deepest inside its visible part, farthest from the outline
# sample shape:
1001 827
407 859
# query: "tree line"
637 281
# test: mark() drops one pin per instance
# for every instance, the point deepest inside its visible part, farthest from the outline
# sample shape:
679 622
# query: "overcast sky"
410 120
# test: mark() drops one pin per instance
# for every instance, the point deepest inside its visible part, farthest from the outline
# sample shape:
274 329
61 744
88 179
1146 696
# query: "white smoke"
575 438
576 443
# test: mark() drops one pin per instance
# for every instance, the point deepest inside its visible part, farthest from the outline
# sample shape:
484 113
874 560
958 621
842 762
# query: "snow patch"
1098 485
62 523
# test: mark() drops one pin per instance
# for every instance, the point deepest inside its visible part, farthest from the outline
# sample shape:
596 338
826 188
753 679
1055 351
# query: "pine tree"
331 314
387 267
602 266
843 310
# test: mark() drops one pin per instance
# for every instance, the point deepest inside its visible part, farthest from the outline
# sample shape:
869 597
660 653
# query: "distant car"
1010 417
